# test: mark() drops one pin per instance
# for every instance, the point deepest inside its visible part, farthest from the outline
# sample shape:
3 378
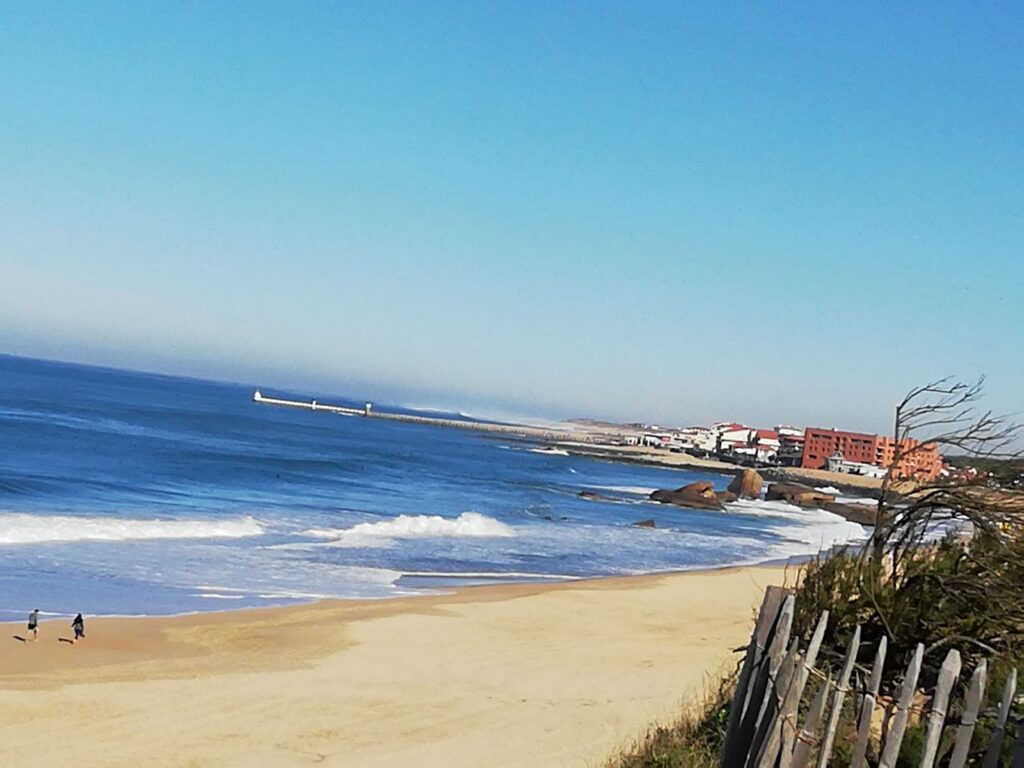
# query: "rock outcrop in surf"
811 498
698 495
747 484
798 494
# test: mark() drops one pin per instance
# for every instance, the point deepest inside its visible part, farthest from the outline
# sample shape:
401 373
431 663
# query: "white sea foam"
496 575
806 531
468 524
858 500
39 529
830 489
215 596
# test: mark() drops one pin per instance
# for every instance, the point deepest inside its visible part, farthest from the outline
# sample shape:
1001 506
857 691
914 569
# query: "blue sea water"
131 493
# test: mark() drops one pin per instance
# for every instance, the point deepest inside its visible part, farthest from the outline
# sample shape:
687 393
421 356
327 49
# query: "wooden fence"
768 728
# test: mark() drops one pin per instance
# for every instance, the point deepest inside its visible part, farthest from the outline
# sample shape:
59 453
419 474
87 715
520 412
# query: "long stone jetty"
368 411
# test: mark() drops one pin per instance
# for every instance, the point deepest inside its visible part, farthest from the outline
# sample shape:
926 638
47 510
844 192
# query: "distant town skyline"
638 212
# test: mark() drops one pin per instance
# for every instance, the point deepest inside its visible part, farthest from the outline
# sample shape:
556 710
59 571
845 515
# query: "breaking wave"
468 524
40 529
806 531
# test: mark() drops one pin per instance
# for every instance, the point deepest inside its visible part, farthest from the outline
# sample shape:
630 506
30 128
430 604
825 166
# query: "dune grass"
692 741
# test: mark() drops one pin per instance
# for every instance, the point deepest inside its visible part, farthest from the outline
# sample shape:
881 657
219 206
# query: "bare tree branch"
943 415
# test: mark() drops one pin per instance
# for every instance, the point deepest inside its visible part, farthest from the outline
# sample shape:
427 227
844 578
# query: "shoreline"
785 562
514 674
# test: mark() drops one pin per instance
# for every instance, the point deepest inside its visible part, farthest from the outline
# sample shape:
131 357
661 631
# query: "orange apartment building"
924 463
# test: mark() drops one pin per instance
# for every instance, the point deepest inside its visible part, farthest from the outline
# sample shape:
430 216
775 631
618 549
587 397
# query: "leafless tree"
944 414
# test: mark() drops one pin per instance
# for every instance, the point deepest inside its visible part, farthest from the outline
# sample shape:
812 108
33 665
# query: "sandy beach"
512 675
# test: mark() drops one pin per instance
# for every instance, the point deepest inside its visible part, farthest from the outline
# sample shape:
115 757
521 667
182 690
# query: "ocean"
126 493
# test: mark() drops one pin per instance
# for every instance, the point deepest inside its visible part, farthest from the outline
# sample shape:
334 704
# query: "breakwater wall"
513 430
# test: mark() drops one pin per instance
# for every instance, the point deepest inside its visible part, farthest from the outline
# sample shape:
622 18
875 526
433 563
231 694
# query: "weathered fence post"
996 744
802 751
975 694
790 734
764 748
860 748
940 704
752 661
894 739
762 694
842 684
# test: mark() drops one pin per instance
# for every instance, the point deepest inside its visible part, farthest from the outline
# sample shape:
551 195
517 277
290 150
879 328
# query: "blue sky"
653 211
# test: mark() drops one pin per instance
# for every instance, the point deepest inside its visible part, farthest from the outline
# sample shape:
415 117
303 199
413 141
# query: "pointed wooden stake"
894 739
940 704
975 694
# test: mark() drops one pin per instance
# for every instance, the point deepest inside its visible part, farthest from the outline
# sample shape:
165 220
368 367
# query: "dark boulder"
699 495
801 495
645 523
862 514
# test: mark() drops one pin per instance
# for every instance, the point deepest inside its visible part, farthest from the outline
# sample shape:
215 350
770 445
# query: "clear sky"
658 211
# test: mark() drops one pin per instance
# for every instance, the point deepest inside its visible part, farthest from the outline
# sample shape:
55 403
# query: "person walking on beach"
79 626
33 624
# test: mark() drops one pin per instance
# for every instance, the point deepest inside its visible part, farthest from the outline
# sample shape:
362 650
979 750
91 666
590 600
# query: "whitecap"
20 528
468 524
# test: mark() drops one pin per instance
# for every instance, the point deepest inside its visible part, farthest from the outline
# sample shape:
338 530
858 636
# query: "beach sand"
512 675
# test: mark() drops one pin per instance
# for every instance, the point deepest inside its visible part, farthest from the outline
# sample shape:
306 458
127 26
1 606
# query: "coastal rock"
725 496
649 523
746 484
801 495
591 496
862 514
699 495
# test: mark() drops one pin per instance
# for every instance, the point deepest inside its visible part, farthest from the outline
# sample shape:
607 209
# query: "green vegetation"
1003 472
956 594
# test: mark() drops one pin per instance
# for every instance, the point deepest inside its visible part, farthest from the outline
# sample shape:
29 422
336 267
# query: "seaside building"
731 434
791 445
875 450
836 463
696 439
762 445
656 439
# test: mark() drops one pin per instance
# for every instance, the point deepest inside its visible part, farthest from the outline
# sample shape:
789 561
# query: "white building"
837 463
696 439
731 434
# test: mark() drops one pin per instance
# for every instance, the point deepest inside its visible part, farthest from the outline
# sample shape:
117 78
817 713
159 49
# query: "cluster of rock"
805 496
702 494
747 485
